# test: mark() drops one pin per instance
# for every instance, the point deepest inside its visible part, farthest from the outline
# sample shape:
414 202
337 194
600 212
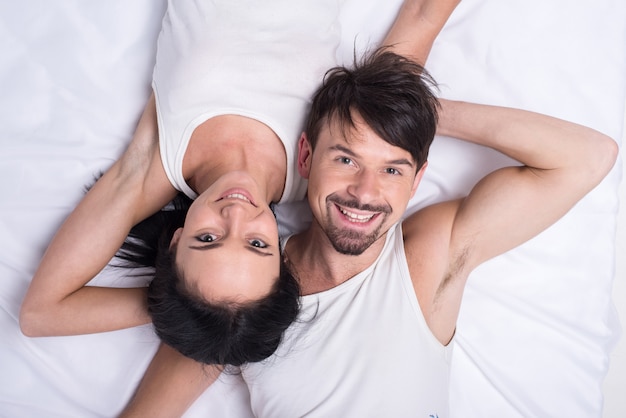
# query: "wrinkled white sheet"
536 326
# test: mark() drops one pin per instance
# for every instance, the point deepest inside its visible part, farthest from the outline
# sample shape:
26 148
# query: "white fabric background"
537 325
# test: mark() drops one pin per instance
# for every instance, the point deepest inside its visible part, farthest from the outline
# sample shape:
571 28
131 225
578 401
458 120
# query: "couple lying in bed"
329 309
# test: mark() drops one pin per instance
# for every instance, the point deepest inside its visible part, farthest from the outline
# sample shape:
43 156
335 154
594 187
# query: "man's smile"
354 216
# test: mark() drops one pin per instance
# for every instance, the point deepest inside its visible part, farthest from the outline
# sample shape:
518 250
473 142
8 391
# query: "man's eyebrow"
213 245
348 151
401 161
339 147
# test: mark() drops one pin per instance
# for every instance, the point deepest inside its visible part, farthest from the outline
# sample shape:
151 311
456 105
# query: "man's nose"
365 186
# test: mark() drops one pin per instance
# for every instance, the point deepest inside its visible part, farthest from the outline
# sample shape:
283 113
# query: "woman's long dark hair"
220 333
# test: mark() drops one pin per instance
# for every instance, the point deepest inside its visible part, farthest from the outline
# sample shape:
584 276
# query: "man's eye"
206 238
258 243
345 160
392 170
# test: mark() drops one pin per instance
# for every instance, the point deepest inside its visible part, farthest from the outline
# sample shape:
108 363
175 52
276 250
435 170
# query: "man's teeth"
237 196
353 217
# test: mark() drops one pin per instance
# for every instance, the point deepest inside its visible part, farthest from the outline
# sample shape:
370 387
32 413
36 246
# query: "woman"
221 127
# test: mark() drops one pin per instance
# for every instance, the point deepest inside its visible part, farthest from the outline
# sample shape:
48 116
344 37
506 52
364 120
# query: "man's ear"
305 153
418 178
176 238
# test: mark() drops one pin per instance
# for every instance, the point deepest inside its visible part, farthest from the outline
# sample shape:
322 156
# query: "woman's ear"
305 153
176 238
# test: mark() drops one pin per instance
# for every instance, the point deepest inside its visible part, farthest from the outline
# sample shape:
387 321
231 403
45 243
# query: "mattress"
537 325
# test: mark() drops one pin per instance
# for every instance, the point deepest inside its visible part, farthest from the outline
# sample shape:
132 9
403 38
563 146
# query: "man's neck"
319 267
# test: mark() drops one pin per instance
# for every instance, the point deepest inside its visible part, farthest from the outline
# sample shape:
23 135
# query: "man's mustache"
355 204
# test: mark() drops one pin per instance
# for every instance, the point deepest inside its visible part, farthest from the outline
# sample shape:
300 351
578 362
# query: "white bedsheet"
537 325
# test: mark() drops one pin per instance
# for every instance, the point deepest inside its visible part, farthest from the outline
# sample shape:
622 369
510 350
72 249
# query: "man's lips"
356 218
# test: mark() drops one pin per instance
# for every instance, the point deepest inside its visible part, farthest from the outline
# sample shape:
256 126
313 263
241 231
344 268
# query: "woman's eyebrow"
214 245
209 246
258 251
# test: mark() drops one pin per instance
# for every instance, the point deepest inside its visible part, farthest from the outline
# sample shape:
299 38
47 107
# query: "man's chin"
350 249
352 240
351 245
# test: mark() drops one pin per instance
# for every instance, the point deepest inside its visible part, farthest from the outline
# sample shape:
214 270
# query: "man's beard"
349 241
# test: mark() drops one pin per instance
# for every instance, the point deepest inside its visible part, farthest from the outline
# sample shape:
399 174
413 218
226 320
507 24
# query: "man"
381 297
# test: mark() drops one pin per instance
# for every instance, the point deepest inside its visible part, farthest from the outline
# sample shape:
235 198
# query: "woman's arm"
171 384
417 25
57 301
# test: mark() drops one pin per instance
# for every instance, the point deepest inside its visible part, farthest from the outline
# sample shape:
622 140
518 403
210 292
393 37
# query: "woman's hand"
57 301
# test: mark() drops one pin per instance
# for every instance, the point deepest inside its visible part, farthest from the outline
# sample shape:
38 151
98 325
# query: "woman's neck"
235 143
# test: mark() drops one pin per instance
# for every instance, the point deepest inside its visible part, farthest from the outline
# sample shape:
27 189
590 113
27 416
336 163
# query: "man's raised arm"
560 163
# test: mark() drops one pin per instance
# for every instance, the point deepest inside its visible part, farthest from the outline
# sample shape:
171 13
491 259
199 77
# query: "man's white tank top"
361 349
262 60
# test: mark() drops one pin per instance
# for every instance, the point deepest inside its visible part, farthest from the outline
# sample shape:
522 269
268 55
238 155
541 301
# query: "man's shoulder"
431 222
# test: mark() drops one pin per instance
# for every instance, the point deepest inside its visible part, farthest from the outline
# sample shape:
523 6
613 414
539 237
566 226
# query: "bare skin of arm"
561 163
170 376
57 301
416 27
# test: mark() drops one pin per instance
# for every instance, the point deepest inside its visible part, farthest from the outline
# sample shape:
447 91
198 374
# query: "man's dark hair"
221 333
391 93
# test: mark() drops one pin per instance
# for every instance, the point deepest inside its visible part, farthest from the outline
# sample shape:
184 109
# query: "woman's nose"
236 209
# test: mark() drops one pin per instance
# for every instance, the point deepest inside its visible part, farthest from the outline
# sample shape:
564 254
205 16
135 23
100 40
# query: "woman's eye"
206 238
258 243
